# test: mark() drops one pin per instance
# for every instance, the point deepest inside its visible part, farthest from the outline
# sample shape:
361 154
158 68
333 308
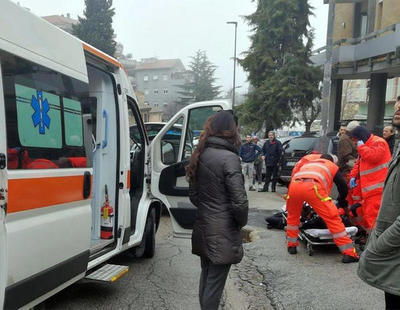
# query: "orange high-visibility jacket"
371 166
314 167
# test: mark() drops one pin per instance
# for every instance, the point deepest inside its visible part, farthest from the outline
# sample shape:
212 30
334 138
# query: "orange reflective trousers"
370 210
312 193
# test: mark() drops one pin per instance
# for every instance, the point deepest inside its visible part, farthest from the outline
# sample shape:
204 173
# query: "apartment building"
160 81
366 35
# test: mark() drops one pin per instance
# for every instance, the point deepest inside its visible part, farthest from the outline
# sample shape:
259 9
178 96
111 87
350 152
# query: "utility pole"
234 65
327 82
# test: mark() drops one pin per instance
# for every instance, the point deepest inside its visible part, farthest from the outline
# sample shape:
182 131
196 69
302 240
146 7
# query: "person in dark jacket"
272 151
347 151
216 188
389 135
258 164
249 152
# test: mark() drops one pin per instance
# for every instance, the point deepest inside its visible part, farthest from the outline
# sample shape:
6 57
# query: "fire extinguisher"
107 215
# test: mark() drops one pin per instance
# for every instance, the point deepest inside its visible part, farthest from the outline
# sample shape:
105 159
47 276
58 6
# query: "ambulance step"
108 273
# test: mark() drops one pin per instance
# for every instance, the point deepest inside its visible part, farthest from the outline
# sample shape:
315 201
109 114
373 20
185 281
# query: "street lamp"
234 64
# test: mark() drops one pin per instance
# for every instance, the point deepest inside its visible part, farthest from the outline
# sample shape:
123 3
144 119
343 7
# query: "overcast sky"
178 28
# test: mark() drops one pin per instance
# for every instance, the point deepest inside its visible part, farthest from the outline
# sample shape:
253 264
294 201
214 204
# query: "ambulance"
76 188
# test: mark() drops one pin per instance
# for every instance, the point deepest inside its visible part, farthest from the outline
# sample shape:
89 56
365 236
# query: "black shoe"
349 259
252 189
292 250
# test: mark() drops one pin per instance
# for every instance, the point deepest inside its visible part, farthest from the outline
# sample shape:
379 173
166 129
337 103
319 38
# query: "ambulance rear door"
170 153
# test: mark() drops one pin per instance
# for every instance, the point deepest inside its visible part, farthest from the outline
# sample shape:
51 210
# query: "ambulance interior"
101 146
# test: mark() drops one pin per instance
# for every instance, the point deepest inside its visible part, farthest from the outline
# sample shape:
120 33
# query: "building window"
165 91
155 77
146 91
379 15
165 77
360 20
364 25
146 78
155 91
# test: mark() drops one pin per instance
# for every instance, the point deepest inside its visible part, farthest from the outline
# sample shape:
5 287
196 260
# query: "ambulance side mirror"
2 161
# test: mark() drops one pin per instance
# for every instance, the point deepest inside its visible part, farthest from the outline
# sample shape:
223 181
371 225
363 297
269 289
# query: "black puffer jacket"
221 199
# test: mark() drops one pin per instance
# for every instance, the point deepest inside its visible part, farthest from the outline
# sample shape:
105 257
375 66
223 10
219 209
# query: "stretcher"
318 237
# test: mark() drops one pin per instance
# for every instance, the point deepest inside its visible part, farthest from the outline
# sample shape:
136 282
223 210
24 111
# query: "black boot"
292 250
349 259
265 188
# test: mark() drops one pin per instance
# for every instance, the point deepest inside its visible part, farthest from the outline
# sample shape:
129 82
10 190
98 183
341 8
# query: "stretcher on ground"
318 237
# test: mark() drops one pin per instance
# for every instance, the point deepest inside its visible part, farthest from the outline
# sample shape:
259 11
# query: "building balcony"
377 52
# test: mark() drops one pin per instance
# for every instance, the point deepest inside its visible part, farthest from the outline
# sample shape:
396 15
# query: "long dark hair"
222 124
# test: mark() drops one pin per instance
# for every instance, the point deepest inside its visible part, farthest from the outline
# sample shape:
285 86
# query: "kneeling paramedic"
312 180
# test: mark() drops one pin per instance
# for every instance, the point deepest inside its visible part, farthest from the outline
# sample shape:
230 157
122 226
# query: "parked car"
294 150
285 139
152 129
333 142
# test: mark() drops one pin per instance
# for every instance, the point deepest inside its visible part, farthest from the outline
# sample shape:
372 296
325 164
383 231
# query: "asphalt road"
267 278
167 281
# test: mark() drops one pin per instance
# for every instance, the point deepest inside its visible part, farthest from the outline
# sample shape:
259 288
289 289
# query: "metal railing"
354 41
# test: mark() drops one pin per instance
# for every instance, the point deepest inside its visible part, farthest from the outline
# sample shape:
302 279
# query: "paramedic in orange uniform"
369 172
312 180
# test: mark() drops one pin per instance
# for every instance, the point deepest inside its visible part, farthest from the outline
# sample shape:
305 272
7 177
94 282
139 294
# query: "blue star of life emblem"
40 117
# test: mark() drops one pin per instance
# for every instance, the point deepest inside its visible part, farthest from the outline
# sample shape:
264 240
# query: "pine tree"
95 27
200 86
282 77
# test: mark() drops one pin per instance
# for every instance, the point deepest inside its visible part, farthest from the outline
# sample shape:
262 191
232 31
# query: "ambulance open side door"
170 153
3 200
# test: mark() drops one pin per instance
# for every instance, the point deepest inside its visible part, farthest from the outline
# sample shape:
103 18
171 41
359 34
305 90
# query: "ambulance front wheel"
147 247
150 248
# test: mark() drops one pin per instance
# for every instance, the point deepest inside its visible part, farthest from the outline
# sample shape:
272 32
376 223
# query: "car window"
44 116
171 142
153 130
197 119
300 144
134 132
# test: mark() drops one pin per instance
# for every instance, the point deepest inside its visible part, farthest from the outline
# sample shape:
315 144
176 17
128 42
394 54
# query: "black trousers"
271 172
392 301
212 283
258 170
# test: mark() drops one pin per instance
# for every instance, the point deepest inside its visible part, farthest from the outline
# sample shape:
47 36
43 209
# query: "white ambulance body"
66 110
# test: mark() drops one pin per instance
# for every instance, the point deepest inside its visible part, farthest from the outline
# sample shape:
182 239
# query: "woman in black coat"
217 190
